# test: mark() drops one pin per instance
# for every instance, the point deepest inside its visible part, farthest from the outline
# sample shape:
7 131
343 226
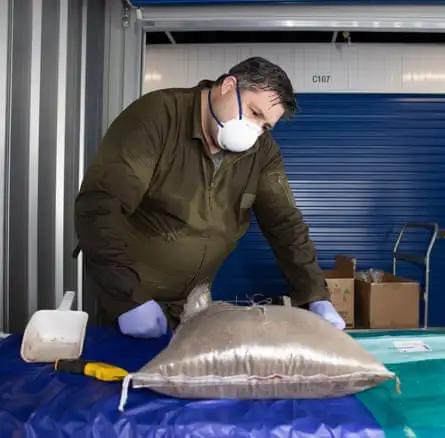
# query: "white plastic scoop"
55 334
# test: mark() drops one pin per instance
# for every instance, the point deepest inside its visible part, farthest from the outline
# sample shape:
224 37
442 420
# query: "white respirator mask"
236 135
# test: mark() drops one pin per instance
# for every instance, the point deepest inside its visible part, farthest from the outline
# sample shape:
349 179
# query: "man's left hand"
326 310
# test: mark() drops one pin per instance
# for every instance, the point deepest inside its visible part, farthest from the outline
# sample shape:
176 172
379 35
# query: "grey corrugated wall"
50 122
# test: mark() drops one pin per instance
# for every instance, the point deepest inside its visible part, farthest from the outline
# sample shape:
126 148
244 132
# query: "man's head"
247 101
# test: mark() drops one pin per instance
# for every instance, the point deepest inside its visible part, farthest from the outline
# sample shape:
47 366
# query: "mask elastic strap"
209 98
240 107
238 97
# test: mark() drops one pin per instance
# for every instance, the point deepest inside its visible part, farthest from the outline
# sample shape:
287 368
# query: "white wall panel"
311 67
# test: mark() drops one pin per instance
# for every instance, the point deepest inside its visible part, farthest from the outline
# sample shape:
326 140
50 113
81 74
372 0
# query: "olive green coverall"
155 218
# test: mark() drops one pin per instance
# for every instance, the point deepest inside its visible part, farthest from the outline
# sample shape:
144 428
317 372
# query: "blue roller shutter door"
360 165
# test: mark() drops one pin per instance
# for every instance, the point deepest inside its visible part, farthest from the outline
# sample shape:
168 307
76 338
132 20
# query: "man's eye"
255 113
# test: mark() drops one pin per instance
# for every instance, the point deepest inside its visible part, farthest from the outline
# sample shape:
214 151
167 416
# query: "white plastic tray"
55 334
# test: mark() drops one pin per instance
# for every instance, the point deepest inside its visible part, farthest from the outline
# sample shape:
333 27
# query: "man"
170 192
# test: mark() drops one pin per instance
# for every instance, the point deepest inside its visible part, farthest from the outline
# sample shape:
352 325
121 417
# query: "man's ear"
228 84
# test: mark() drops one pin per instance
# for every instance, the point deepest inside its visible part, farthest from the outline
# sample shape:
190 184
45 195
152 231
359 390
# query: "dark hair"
259 74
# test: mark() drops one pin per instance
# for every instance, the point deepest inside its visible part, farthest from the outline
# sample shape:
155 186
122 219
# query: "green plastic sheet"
418 359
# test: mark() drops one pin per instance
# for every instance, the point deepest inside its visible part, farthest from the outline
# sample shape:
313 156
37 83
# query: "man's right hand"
145 321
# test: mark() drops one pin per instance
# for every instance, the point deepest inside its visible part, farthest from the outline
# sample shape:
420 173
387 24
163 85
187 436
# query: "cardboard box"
391 304
341 284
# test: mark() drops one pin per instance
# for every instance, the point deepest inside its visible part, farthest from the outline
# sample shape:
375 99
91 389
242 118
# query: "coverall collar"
196 116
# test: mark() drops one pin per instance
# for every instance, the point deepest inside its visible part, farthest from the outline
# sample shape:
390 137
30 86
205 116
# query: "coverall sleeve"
283 226
112 189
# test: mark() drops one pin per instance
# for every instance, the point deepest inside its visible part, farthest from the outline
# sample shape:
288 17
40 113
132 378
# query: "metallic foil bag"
229 351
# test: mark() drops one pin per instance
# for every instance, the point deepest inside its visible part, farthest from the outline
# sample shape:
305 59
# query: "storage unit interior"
365 155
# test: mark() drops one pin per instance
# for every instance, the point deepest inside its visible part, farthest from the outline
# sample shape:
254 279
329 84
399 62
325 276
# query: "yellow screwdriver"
98 370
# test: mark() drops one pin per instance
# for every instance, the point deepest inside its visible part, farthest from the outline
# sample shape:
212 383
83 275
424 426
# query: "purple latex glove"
145 321
326 310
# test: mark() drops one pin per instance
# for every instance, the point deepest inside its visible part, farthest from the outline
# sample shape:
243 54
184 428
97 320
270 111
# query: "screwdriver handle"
73 366
98 370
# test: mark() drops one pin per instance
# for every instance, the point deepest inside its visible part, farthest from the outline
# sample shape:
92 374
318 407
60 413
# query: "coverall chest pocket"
247 197
247 200
246 203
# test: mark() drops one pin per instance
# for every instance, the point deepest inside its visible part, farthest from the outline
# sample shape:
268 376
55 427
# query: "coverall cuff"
323 296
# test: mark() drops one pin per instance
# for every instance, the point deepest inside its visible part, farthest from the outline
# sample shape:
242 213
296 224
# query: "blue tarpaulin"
37 402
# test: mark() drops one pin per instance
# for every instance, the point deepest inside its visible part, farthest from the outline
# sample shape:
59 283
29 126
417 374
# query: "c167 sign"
321 79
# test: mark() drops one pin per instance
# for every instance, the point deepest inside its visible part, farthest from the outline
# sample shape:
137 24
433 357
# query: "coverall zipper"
215 170
211 185
192 282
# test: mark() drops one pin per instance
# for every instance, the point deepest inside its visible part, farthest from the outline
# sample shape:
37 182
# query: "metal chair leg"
416 259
